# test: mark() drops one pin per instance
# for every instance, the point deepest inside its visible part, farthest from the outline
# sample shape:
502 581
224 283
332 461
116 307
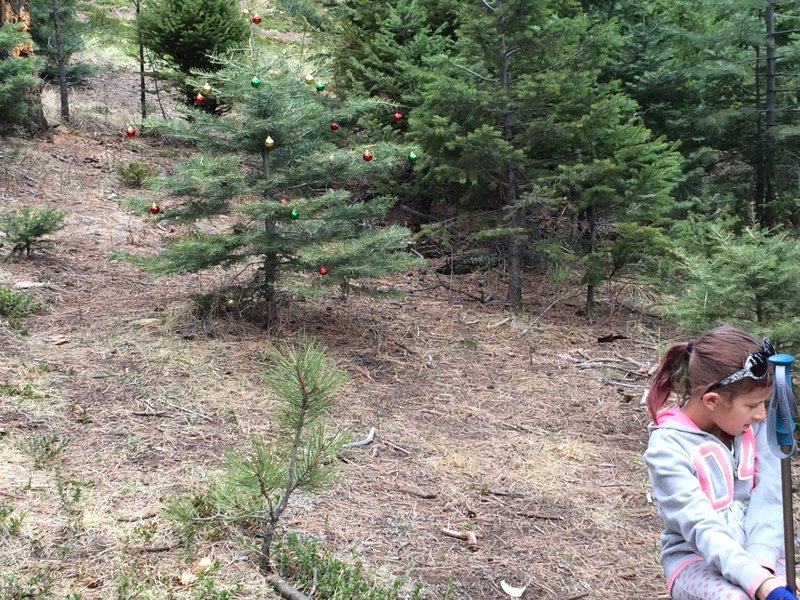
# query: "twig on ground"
467 536
134 519
186 410
364 442
398 448
286 590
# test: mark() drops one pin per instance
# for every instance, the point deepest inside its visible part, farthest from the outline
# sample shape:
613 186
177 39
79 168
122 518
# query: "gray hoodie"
717 504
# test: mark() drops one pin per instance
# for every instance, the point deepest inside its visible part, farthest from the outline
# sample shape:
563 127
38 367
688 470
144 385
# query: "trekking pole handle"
782 411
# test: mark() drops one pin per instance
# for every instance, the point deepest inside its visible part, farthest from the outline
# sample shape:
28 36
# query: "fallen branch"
286 590
364 442
467 536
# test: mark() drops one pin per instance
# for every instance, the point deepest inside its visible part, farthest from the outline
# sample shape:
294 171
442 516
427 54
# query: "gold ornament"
269 143
309 79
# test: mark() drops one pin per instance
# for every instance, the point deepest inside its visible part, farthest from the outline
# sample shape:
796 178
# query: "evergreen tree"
749 280
59 35
17 76
188 34
516 114
291 171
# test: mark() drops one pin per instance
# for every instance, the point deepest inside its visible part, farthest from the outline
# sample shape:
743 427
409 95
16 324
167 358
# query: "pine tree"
749 280
17 76
286 176
189 34
259 484
518 98
59 35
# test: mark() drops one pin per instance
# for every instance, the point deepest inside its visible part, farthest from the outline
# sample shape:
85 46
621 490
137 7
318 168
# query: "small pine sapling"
261 482
23 227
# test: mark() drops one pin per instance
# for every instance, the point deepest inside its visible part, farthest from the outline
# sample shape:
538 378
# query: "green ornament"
294 214
255 82
320 86
412 156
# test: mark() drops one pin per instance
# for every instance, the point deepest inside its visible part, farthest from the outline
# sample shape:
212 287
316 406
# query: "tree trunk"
61 63
142 89
513 254
19 11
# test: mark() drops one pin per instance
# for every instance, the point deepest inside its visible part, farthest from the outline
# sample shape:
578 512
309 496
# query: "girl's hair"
689 367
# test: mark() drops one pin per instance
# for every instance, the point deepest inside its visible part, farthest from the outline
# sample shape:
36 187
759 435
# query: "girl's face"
735 417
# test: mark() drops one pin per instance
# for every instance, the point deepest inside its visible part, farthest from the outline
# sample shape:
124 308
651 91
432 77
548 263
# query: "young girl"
715 481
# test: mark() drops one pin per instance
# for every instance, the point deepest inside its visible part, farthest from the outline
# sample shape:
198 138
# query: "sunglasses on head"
756 366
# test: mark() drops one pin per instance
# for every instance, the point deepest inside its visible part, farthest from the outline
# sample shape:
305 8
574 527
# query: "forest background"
497 155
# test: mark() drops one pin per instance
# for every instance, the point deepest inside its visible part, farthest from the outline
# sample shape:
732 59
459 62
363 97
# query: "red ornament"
283 200
199 99
155 208
334 126
256 19
323 270
130 131
398 116
367 155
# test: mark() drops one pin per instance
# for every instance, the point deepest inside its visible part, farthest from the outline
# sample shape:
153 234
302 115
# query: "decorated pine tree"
286 179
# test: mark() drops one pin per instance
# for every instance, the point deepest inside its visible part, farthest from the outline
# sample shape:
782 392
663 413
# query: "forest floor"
518 425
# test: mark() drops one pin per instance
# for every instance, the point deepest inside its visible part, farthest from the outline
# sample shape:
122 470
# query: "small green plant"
14 304
146 531
10 523
38 586
134 174
45 448
25 390
206 586
301 559
21 228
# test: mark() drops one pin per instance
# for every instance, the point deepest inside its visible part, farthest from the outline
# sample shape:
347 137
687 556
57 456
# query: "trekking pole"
781 417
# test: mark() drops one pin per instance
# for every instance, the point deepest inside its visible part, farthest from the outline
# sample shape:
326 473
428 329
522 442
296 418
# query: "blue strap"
782 410
781 593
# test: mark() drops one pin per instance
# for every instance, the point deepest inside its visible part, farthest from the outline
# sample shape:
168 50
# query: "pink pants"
699 581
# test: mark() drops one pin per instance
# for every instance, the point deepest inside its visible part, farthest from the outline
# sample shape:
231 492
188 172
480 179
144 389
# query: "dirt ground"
520 426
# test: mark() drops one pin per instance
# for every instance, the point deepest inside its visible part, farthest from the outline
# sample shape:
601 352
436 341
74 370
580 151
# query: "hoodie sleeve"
686 510
763 522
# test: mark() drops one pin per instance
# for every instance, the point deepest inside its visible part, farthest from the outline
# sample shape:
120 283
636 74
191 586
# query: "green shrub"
23 227
14 305
134 174
301 560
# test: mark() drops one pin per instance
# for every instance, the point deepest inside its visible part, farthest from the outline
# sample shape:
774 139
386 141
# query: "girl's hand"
774 589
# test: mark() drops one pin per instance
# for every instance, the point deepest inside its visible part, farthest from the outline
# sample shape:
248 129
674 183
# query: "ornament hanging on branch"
309 79
155 209
320 85
206 88
130 131
412 157
256 19
199 99
294 214
367 156
323 270
398 116
283 200
268 142
334 126
255 82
